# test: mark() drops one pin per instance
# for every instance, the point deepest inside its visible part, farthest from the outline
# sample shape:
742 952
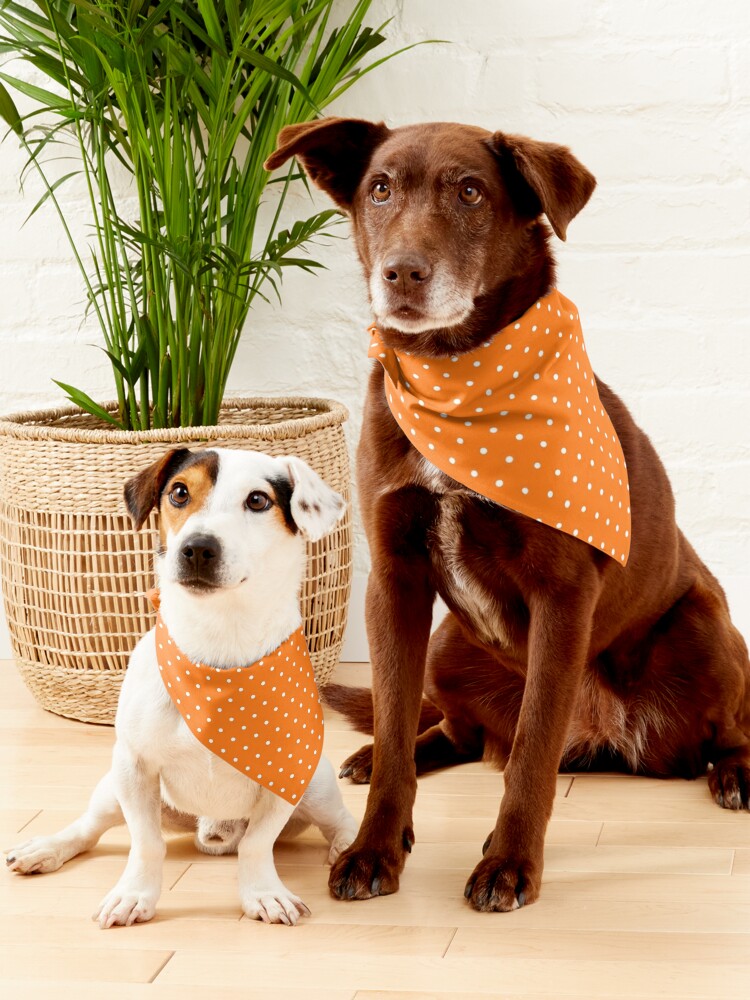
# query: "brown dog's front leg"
510 873
399 614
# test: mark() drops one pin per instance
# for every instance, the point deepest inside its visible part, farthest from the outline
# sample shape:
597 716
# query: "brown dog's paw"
358 767
729 782
361 873
501 884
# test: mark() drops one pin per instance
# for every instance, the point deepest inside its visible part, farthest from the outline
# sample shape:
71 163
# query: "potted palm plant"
185 99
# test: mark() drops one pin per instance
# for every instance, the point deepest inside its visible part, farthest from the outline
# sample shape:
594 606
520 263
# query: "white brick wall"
653 96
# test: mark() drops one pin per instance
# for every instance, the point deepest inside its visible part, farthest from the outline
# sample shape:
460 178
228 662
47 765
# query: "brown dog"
552 652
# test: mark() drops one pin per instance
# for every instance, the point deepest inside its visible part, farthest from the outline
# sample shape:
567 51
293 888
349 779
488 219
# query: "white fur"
315 507
156 759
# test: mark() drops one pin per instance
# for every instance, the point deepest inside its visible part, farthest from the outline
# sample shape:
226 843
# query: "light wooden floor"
646 894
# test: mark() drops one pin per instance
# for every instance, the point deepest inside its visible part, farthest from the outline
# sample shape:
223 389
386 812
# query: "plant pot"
75 573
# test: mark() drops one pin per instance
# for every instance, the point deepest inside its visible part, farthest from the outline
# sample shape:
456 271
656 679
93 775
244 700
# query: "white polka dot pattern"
264 720
519 420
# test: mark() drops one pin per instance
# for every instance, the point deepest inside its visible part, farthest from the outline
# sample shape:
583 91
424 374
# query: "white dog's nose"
200 552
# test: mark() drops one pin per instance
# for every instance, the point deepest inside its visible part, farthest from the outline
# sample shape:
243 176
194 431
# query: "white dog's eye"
179 495
258 501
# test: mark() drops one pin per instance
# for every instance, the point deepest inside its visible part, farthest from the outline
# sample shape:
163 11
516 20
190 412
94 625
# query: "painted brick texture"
652 95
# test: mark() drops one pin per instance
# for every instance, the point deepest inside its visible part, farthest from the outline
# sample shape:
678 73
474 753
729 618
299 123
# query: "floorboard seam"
450 942
29 821
163 965
181 875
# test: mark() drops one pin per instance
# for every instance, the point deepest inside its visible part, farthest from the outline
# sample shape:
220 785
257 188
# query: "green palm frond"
188 96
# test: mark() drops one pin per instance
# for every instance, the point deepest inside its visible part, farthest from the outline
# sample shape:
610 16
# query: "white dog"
229 568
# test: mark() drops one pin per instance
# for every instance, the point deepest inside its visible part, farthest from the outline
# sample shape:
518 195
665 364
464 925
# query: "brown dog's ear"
142 492
333 151
543 177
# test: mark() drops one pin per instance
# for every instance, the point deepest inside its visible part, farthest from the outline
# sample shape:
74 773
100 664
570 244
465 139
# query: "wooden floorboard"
646 894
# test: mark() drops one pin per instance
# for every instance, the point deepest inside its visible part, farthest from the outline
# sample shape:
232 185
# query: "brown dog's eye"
179 495
470 195
380 192
258 501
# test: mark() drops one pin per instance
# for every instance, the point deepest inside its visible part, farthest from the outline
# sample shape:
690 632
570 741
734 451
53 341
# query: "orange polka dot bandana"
519 421
264 720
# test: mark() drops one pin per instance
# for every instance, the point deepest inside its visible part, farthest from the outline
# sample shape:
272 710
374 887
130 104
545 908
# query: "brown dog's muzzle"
405 272
407 280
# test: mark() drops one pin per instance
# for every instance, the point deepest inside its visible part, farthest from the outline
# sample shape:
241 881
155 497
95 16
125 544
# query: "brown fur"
552 655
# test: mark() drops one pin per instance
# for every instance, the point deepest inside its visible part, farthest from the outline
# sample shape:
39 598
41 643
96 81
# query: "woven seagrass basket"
74 572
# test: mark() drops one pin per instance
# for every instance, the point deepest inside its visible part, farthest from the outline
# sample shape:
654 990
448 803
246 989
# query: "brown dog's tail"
355 704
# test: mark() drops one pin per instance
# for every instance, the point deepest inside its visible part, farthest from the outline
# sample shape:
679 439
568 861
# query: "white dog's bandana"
265 720
519 421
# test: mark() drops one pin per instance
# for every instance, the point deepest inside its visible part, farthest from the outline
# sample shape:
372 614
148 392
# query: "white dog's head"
232 520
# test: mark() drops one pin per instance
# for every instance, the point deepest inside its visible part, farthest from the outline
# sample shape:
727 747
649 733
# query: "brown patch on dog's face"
281 493
186 491
143 490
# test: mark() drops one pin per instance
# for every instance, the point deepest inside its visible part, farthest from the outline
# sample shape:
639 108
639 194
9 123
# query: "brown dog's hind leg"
729 780
710 717
434 751
457 738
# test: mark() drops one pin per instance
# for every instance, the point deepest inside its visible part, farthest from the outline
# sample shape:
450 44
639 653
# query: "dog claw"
729 782
365 873
345 772
498 885
408 840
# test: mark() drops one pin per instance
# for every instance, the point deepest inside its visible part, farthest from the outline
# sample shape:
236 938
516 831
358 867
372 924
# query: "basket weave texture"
74 572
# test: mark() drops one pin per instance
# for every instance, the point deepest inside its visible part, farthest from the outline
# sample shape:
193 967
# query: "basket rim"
30 424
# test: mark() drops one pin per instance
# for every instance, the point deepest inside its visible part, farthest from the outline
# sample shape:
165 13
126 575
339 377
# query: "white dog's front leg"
262 893
47 854
323 806
138 790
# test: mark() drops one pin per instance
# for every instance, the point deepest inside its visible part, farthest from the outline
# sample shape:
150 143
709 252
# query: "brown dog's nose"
408 269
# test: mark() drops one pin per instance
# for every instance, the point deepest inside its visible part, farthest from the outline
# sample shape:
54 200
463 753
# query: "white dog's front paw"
37 856
126 905
274 906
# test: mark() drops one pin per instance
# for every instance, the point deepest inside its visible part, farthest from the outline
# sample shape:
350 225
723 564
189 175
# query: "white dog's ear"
315 507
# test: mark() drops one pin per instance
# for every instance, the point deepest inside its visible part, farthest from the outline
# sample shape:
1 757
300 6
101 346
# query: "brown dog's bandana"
519 421
264 720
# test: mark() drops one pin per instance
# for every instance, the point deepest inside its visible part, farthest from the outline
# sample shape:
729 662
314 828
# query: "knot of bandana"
265 720
519 421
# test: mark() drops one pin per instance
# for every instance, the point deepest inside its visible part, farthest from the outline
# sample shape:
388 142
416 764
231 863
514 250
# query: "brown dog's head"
446 220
